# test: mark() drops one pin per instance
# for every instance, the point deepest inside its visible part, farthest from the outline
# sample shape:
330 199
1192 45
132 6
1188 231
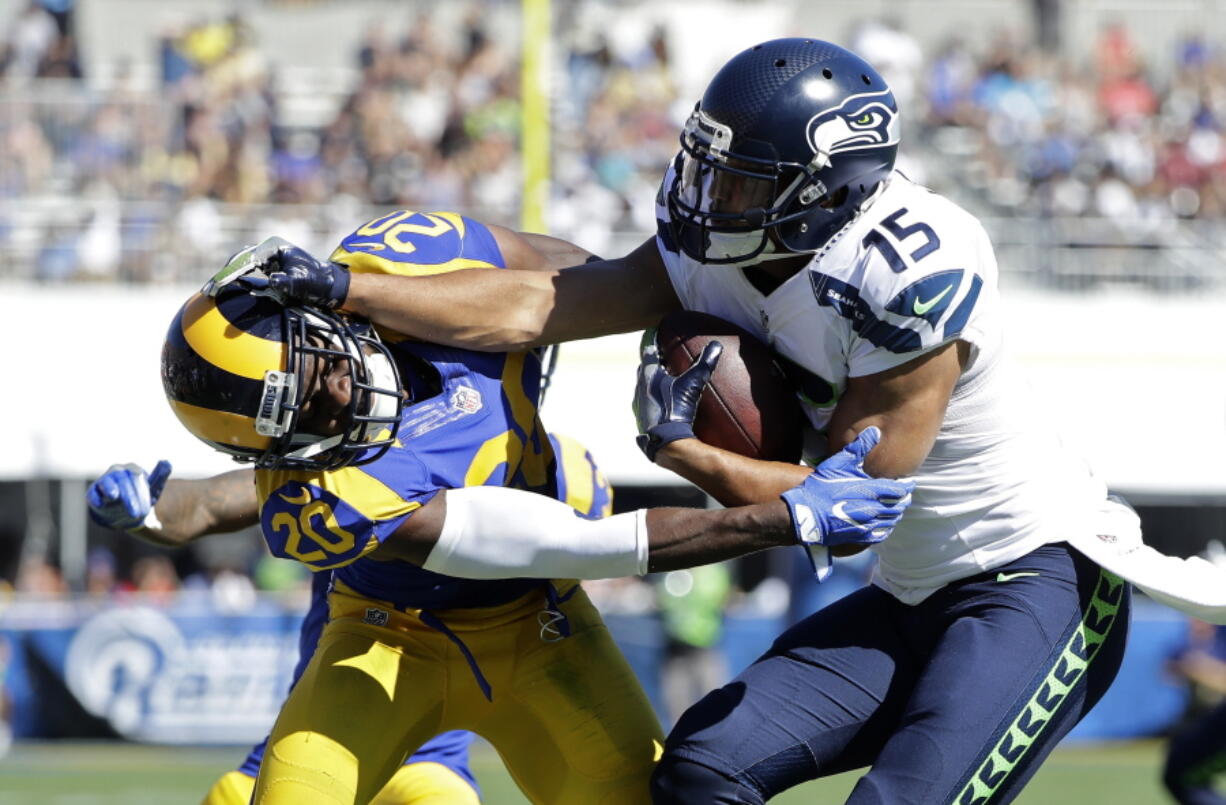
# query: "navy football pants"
1197 756
955 700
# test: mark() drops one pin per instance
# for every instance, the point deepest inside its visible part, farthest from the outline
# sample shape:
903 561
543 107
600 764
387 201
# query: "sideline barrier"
189 673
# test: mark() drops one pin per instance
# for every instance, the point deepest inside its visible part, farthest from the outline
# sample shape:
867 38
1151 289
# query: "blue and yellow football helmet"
235 368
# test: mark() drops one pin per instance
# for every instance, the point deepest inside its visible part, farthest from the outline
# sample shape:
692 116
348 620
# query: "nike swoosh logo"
840 511
920 308
1012 576
297 500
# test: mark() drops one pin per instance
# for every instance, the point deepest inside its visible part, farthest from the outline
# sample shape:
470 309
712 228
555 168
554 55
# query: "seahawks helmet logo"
868 120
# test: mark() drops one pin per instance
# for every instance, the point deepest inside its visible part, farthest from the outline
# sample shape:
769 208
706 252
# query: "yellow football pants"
423 783
567 716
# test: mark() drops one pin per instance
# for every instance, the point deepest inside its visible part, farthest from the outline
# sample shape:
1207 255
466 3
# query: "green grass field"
72 773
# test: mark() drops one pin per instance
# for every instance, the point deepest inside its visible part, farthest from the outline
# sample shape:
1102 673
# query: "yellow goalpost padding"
534 116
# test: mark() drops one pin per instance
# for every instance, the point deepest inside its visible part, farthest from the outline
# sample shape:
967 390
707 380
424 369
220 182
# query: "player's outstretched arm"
529 251
172 512
507 310
480 309
493 532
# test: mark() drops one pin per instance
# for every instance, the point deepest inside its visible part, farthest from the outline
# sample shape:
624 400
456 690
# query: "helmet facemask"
727 207
315 340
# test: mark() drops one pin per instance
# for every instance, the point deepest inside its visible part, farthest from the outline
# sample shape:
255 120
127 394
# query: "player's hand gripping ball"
748 406
664 404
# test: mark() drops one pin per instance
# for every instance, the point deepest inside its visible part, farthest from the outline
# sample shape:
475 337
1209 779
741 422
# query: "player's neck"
767 277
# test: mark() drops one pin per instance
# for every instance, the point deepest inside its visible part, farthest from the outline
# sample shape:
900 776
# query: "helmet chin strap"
838 235
315 447
723 244
876 194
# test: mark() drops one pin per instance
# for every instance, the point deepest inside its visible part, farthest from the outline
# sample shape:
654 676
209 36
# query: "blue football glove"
840 504
124 496
664 406
297 278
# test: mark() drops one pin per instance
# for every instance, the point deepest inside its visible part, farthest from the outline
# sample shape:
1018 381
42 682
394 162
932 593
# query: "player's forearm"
509 310
191 509
732 479
496 533
556 253
679 538
479 309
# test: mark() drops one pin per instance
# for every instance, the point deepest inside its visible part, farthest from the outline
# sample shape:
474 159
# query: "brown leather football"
748 407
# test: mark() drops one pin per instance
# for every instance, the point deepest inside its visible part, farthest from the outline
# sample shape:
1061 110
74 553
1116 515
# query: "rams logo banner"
868 120
189 675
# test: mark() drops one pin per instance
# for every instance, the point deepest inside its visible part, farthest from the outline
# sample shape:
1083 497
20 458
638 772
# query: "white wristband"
151 521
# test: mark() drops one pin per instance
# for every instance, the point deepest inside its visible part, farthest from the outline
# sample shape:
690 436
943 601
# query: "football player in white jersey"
985 636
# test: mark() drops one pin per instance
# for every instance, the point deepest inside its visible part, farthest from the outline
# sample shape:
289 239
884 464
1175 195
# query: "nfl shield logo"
375 617
466 399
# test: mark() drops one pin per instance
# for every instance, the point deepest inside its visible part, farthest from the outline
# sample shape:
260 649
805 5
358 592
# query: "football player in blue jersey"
409 470
437 773
986 634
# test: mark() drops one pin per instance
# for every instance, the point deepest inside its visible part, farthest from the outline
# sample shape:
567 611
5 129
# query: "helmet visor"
726 189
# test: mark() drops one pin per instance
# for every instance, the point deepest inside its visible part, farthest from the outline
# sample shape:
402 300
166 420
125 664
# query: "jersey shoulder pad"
905 230
331 519
411 243
924 263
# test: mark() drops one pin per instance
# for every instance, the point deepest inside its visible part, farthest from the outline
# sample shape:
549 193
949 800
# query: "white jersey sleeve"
918 284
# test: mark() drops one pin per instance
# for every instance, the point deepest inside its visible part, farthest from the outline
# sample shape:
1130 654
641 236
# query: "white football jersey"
913 272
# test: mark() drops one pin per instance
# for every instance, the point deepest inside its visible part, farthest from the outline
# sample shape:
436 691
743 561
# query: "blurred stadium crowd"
1111 136
432 122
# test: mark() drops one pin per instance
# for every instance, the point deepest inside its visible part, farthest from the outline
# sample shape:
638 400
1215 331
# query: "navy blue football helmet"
790 139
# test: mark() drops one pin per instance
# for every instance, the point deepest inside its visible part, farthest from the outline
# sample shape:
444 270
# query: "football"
748 407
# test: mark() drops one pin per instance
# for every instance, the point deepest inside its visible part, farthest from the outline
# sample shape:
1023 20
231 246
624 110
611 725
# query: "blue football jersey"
473 422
